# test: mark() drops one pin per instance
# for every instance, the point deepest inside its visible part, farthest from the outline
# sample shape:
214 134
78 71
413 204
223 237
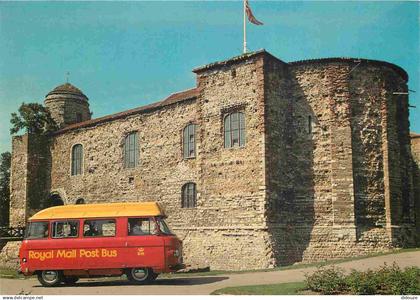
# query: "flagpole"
245 50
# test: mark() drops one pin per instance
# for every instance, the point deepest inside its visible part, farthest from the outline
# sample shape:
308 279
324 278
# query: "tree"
34 118
5 161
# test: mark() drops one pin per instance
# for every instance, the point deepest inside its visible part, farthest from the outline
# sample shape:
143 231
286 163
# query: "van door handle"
126 243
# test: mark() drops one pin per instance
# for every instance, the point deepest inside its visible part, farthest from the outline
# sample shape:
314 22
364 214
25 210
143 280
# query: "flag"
251 17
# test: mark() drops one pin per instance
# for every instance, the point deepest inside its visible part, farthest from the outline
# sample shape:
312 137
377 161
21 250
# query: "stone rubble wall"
30 177
230 182
18 181
334 203
233 179
399 195
64 108
9 255
415 150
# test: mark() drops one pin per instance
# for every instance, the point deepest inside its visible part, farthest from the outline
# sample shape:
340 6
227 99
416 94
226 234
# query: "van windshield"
36 230
164 228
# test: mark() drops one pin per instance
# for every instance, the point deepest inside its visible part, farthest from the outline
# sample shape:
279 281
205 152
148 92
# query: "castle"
263 163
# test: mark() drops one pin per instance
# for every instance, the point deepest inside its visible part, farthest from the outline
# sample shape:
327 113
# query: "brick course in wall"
324 173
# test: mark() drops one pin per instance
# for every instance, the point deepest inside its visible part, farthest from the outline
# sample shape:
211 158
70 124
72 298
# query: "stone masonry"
415 148
326 170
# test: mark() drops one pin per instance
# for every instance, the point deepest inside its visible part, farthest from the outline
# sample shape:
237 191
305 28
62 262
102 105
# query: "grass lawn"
291 288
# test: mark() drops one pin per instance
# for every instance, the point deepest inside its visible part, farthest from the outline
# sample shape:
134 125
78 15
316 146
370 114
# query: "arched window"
131 150
234 128
80 201
189 195
189 141
76 159
54 199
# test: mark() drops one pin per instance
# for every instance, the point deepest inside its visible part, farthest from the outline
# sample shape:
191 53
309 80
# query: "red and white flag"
250 15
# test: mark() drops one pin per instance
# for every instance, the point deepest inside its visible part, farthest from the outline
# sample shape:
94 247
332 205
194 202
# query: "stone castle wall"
230 182
30 171
65 108
318 177
415 150
328 177
233 179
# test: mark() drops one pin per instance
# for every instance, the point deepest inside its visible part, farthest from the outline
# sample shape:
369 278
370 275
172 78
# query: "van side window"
36 230
65 229
99 228
141 226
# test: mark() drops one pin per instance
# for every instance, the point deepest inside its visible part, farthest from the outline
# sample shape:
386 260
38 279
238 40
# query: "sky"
127 54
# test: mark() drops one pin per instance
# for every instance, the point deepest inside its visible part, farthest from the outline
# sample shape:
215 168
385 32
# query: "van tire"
70 280
49 278
141 275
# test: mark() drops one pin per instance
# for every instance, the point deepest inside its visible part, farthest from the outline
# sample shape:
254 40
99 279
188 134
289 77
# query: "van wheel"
70 280
50 278
141 275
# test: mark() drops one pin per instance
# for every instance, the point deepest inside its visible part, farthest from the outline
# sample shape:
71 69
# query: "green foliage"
34 118
328 281
5 161
388 280
362 283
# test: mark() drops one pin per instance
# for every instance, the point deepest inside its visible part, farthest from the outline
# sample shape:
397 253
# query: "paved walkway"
196 285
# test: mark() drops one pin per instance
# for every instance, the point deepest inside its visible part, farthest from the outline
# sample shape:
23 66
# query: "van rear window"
36 230
97 228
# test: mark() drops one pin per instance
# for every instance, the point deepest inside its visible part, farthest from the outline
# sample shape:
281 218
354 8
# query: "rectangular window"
99 228
131 150
234 130
76 159
141 226
189 141
65 229
241 129
227 132
36 230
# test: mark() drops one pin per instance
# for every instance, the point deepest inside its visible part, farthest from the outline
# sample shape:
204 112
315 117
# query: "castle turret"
68 105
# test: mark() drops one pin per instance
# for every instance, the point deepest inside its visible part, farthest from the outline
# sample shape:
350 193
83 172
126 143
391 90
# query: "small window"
36 230
76 159
141 226
309 124
99 228
131 150
65 229
189 195
189 141
234 129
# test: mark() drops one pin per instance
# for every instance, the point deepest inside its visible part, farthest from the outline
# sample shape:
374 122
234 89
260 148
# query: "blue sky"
127 54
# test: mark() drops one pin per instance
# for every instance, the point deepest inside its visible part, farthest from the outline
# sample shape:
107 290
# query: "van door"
145 248
102 244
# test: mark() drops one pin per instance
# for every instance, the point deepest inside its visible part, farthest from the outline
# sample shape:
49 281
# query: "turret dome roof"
67 88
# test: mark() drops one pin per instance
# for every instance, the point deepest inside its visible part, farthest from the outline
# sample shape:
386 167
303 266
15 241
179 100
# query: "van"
65 243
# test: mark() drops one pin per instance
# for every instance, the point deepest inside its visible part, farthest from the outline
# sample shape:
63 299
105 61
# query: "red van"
64 243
